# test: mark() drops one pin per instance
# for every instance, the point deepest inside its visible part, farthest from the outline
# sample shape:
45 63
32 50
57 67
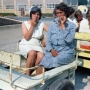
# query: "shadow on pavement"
82 78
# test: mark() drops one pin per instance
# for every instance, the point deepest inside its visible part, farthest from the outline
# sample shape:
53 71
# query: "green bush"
7 14
47 15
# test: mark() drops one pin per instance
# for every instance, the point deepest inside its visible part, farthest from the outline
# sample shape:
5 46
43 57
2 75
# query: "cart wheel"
61 85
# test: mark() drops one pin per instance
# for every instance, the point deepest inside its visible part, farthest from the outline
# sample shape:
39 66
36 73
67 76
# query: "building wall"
22 7
0 6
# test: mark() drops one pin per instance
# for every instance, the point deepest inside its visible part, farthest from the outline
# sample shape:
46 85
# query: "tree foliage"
82 2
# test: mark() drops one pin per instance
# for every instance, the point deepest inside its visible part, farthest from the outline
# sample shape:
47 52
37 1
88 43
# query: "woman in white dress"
30 46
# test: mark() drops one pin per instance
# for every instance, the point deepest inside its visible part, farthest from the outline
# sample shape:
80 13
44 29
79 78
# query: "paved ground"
9 36
82 79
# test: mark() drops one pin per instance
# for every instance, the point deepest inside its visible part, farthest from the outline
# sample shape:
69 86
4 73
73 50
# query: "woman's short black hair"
54 12
34 10
63 7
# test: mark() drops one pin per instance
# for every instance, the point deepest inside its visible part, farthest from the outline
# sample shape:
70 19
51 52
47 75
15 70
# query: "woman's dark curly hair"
63 7
88 13
88 17
71 10
34 10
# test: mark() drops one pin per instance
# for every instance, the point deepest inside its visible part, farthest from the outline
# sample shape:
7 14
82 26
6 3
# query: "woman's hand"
28 33
54 53
63 19
33 23
62 22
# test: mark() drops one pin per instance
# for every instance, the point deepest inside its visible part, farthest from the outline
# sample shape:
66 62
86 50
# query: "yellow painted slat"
82 36
86 37
84 54
86 64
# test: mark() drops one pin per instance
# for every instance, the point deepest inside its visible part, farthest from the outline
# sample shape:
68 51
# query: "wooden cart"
59 78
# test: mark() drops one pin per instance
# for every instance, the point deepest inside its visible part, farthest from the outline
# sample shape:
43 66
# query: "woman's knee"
32 53
40 56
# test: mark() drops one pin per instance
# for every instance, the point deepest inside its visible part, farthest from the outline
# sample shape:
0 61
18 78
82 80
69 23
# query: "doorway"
22 10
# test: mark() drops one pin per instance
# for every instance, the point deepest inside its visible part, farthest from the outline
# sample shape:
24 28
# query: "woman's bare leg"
39 70
30 61
40 55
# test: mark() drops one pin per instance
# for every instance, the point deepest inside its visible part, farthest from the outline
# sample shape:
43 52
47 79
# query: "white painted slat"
18 59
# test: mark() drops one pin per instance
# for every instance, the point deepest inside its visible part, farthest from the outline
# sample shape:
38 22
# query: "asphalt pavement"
11 34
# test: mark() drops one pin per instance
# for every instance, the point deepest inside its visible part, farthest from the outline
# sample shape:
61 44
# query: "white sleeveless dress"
35 42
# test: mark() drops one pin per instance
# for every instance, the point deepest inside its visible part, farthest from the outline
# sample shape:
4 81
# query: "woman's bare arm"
44 39
28 33
45 27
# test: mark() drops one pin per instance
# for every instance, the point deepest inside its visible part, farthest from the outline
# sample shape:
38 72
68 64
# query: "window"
22 6
51 6
9 7
38 5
